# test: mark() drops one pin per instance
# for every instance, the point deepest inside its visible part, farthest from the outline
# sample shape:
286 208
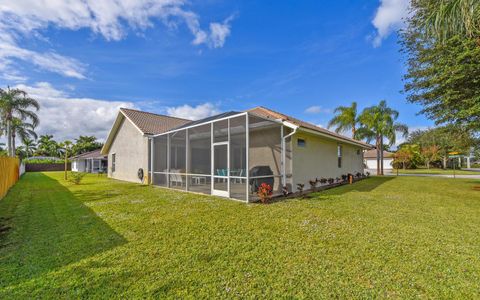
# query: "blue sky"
193 59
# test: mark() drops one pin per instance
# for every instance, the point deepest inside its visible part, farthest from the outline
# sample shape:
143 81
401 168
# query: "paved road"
436 175
392 173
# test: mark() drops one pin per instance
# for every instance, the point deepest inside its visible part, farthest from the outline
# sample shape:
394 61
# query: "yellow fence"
9 174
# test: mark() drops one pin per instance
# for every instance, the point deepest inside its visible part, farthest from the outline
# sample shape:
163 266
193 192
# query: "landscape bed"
382 237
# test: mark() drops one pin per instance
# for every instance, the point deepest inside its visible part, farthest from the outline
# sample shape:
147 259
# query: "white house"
230 154
90 162
370 159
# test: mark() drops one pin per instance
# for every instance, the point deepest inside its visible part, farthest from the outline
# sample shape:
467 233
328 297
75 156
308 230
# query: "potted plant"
264 192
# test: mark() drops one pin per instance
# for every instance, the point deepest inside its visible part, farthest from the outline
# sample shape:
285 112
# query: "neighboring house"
128 143
231 154
90 162
371 159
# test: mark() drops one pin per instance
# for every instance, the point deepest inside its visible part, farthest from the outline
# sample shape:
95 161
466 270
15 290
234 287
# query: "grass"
404 237
434 171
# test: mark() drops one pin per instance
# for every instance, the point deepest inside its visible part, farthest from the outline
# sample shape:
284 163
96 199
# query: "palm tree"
29 146
23 130
16 103
345 119
47 146
378 122
447 18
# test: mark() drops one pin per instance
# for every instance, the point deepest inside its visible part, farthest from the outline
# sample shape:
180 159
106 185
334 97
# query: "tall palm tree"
345 119
379 123
16 103
29 146
446 18
21 129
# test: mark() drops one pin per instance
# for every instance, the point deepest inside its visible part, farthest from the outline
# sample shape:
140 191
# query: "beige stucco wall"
131 151
319 159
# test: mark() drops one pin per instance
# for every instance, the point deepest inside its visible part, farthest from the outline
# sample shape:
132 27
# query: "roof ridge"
155 114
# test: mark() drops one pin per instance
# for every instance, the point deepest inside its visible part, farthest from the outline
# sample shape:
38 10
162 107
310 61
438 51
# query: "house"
128 143
370 157
90 162
231 154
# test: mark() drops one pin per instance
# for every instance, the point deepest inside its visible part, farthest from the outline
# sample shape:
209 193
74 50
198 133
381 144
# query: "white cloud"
316 109
194 113
219 32
110 19
390 16
68 117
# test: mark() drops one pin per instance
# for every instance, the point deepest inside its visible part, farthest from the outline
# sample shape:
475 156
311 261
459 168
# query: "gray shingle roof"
91 154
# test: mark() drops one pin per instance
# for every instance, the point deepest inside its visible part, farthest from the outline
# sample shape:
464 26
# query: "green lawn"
436 172
393 237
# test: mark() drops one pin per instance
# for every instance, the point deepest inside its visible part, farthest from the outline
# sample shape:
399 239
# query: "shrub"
76 177
300 188
358 174
368 174
344 177
285 191
323 180
264 192
338 179
313 184
330 180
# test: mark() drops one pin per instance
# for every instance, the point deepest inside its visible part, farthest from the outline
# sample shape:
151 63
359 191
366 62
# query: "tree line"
18 121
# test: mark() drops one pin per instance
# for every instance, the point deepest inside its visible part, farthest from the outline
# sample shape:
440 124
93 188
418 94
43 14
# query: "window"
339 155
301 143
113 162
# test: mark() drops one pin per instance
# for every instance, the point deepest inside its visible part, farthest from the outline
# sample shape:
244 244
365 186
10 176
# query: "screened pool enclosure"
228 155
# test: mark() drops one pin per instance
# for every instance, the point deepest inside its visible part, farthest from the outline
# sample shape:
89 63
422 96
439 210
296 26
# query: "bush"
76 177
300 188
344 177
331 180
313 184
264 192
323 180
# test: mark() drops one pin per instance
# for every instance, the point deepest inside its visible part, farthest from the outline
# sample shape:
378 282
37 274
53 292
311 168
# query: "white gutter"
284 155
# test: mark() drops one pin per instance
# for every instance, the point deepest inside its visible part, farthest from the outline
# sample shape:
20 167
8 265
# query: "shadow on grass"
49 228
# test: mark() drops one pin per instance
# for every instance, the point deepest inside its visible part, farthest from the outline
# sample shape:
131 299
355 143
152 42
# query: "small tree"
429 154
402 156
67 148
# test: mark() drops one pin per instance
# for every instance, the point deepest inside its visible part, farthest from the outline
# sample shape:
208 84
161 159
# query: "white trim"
247 151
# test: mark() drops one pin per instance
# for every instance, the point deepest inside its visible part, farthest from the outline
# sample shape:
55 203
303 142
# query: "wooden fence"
9 174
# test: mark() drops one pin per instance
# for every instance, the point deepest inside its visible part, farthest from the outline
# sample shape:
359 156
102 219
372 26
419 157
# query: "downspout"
284 154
